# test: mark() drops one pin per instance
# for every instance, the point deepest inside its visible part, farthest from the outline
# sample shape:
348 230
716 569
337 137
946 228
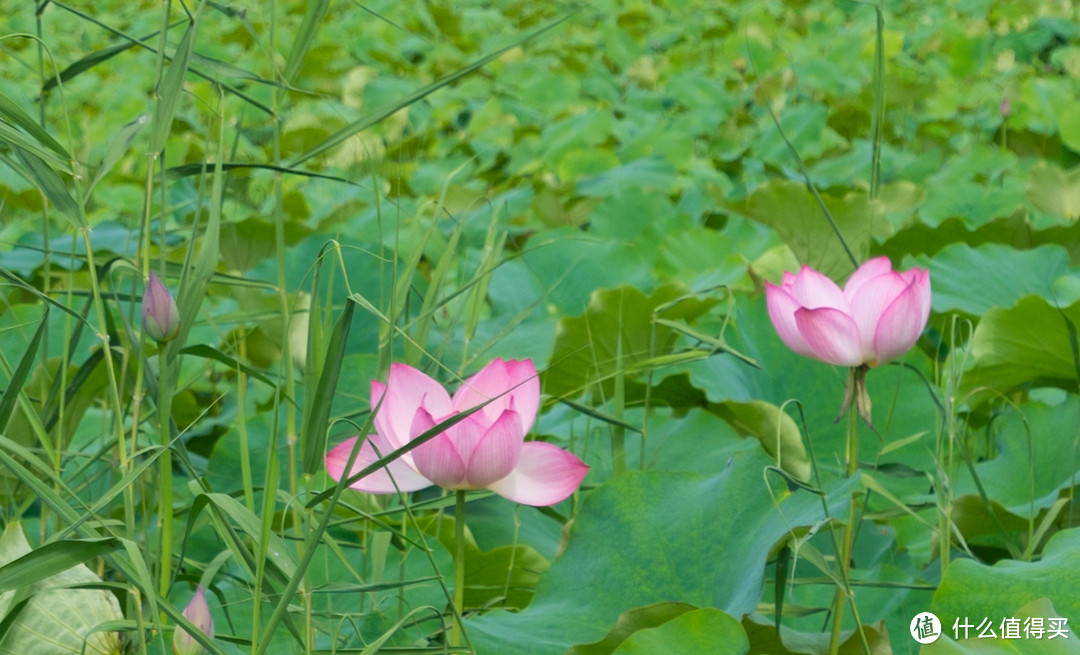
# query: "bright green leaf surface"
973 280
1029 643
1024 343
978 591
699 631
711 564
790 209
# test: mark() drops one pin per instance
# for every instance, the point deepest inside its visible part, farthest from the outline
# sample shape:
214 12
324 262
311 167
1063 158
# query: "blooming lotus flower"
877 317
198 612
487 449
160 316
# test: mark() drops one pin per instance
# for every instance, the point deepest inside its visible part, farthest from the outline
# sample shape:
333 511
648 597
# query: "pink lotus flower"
487 449
198 612
877 317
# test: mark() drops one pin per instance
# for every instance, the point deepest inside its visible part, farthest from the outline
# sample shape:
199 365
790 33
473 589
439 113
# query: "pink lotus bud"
485 450
160 316
877 317
1005 108
198 612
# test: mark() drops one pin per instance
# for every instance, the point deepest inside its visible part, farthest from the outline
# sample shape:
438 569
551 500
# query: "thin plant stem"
241 428
618 433
844 555
165 499
459 570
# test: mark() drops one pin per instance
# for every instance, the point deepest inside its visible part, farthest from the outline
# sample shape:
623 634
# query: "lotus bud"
198 612
160 315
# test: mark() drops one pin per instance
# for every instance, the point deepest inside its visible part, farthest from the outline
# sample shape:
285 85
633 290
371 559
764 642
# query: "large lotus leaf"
764 640
635 213
1027 645
978 591
645 173
977 203
919 238
495 522
1055 191
902 407
973 280
1035 461
790 209
807 129
559 272
705 630
704 541
504 576
1026 343
57 620
584 130
639 618
616 331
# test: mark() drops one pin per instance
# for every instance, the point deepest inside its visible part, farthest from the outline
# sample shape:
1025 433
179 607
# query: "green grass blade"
187 170
52 186
14 114
46 561
138 42
86 63
171 88
209 352
21 140
22 372
195 279
118 147
207 65
278 552
313 17
317 405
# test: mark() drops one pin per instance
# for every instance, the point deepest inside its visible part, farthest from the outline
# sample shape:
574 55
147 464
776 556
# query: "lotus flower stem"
847 541
618 433
459 570
165 500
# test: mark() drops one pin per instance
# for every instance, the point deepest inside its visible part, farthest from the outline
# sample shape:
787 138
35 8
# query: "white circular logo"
925 628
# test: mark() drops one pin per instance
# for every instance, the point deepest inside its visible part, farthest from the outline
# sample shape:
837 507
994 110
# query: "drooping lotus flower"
160 316
198 612
487 449
877 317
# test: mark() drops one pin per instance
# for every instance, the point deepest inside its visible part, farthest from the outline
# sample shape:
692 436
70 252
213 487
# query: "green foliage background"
331 186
